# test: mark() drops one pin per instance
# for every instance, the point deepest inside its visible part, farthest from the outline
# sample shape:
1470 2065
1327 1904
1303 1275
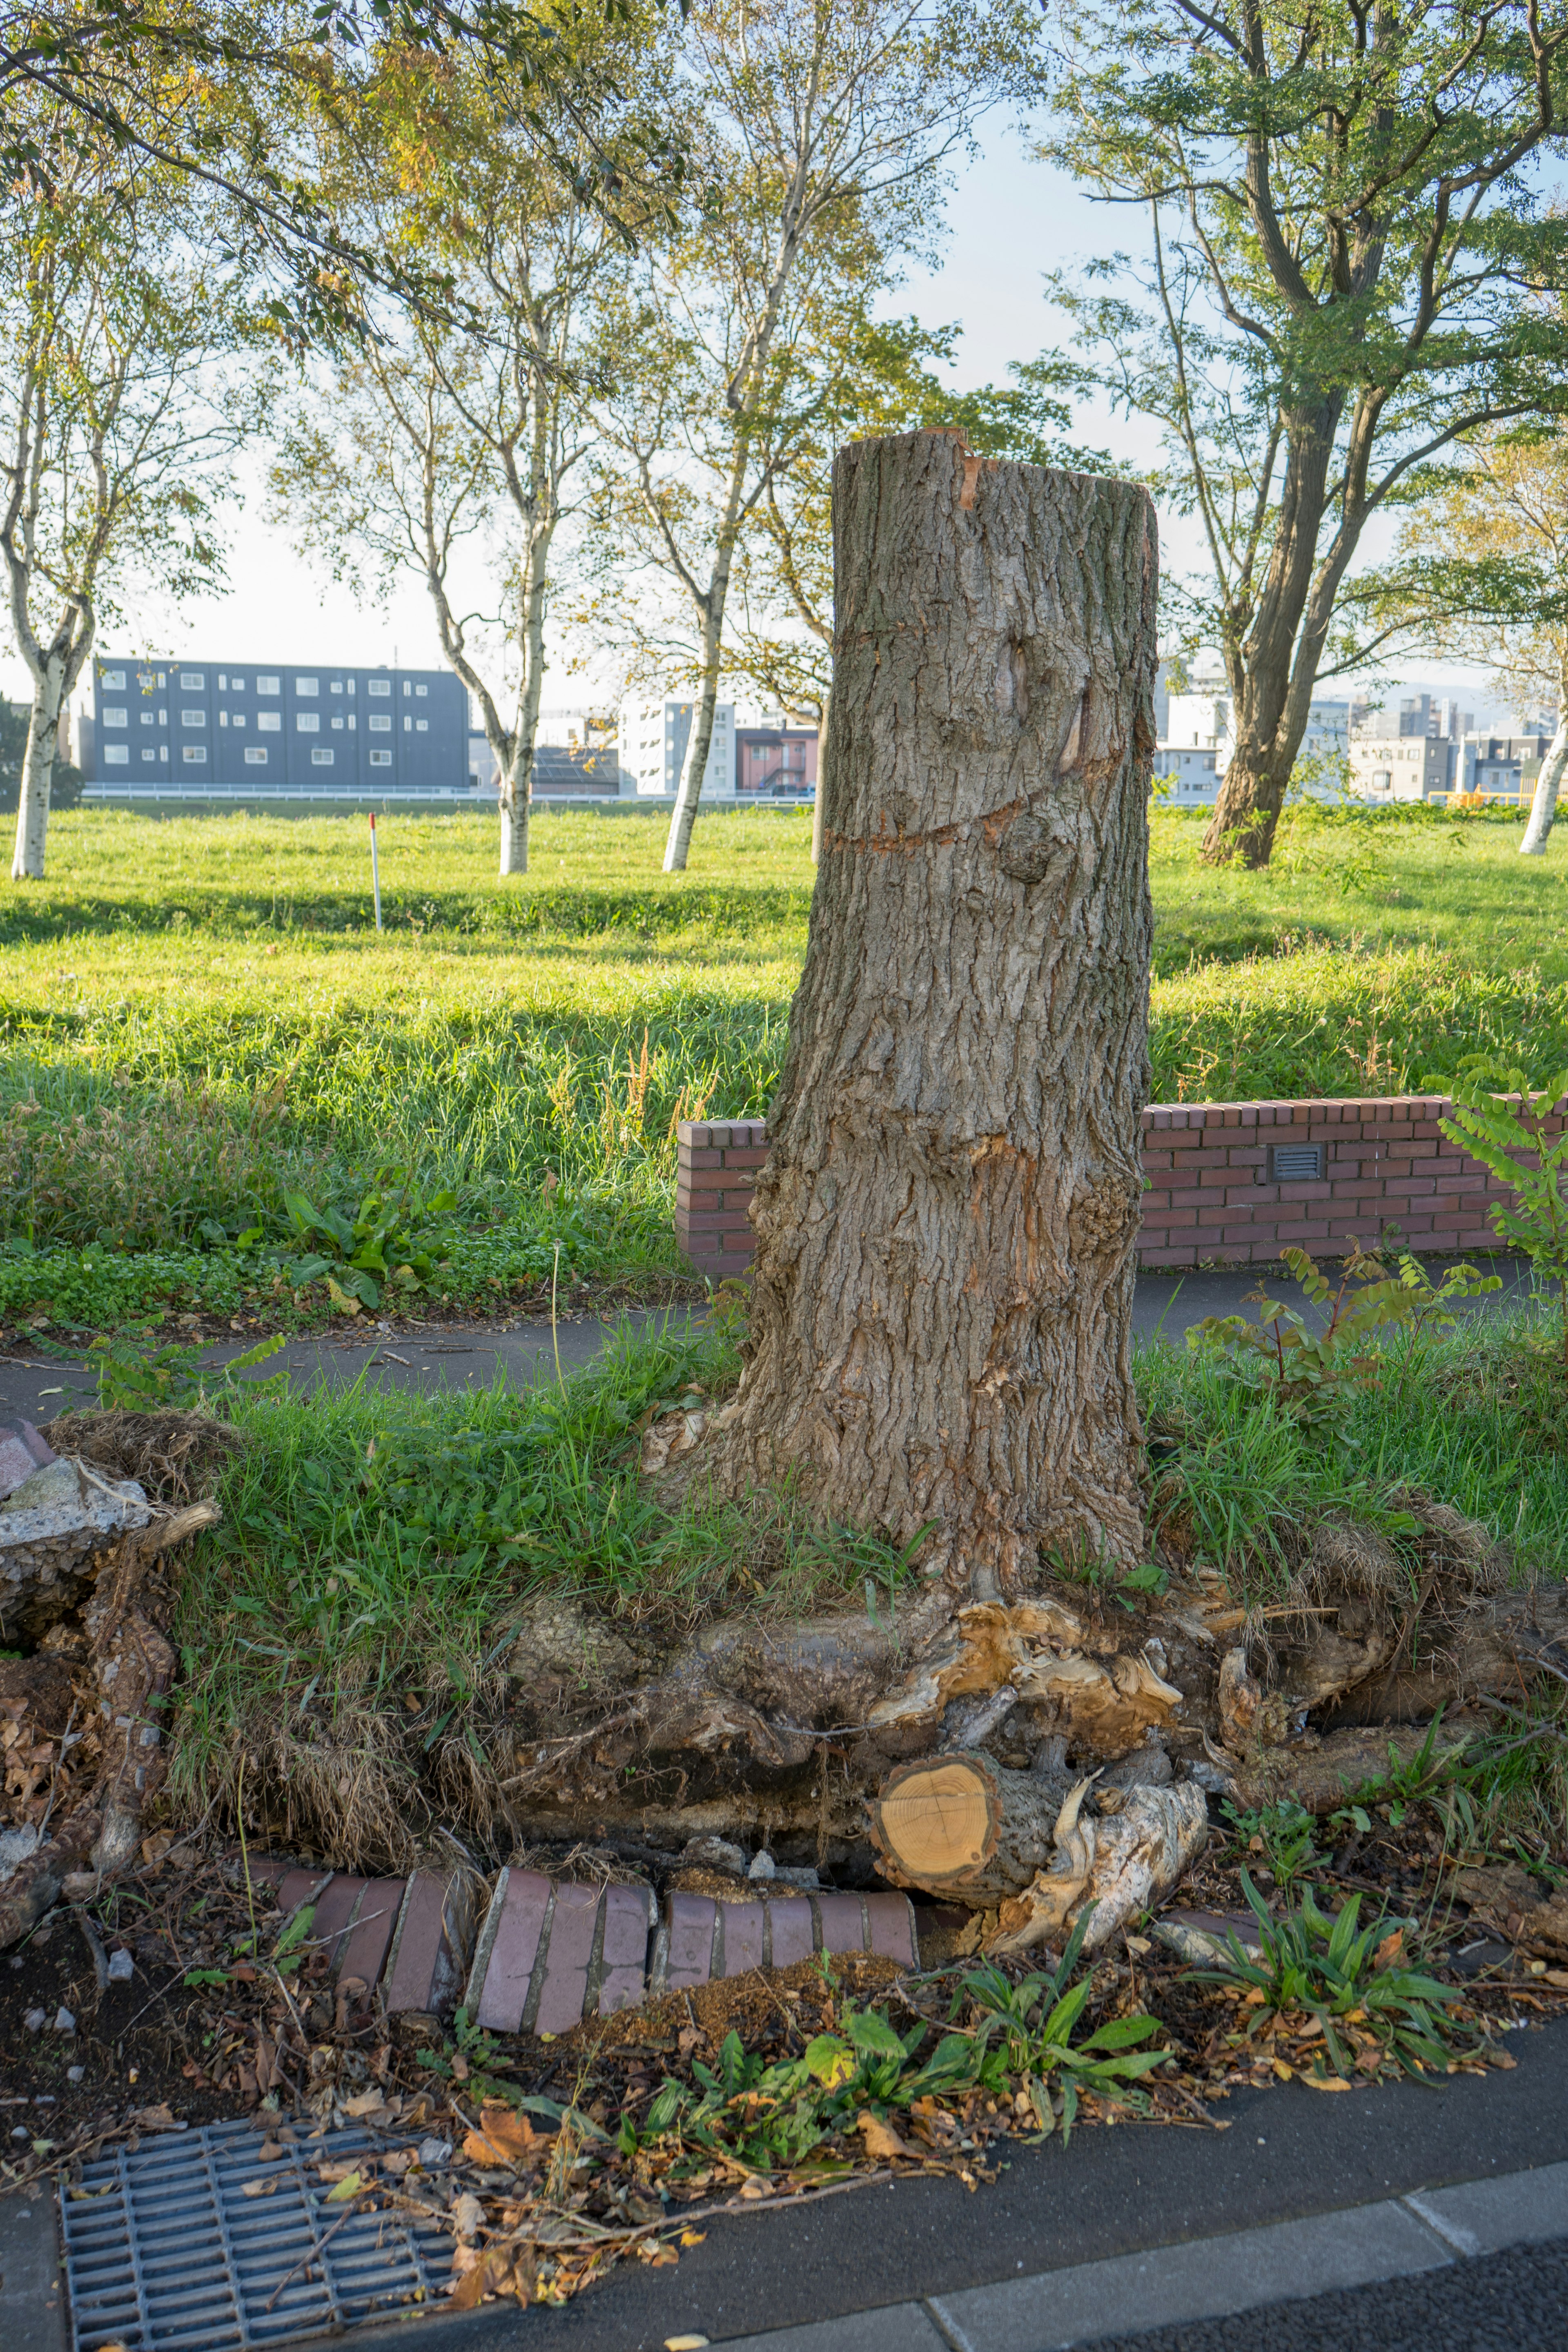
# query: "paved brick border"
1207 1198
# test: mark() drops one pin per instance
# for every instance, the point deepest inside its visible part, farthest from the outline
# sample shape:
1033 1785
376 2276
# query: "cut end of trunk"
939 1821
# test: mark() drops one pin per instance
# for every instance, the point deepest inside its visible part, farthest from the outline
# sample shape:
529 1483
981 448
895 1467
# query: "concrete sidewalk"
436 1356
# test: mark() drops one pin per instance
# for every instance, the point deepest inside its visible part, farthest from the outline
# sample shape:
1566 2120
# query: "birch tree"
450 444
120 411
1345 249
1485 572
823 126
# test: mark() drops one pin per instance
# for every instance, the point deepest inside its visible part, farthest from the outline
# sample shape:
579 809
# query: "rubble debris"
82 1555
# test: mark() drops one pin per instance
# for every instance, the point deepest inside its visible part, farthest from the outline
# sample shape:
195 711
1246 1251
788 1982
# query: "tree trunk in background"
37 771
819 806
946 1223
1549 783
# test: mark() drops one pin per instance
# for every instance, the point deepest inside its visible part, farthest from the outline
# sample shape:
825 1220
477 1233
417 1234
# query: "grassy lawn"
203 1031
200 1021
346 1634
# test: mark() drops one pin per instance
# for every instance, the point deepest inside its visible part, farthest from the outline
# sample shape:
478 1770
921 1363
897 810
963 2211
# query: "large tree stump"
947 1219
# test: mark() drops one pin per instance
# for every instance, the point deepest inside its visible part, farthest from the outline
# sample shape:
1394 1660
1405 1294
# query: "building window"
321 758
421 689
408 726
193 678
267 686
193 718
146 718
222 683
237 684
163 751
307 686
337 686
379 686
117 755
269 722
380 759
147 757
421 726
350 722
114 678
406 687
379 723
351 685
239 719
196 755
338 723
1382 780
116 719
223 719
255 757
307 722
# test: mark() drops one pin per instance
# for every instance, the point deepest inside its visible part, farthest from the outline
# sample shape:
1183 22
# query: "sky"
1010 219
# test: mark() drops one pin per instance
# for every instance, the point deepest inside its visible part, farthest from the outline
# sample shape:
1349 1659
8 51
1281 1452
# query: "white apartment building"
1200 738
653 741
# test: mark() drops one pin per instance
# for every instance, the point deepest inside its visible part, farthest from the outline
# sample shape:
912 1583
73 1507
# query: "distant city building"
1199 740
195 728
778 762
653 741
1413 765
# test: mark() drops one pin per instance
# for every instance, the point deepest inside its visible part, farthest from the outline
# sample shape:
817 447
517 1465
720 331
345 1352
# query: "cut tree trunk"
965 1826
946 1224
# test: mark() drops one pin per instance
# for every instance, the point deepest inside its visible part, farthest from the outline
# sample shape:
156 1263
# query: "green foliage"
1503 1116
1313 1368
1347 1977
1287 1833
1019 2039
168 1379
391 1237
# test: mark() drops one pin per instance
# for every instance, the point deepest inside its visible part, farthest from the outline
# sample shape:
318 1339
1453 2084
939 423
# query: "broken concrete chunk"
22 1451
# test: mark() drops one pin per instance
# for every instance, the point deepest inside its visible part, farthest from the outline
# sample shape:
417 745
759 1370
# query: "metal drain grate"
164 2252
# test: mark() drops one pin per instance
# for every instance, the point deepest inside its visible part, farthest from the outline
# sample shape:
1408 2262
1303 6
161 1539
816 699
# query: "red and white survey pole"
374 871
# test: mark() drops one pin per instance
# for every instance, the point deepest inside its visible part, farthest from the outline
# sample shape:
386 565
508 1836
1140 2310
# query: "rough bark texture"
946 1223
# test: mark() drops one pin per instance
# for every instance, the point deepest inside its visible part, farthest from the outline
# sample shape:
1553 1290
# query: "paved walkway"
437 1357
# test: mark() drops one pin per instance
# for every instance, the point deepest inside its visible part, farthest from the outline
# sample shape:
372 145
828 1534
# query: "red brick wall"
1385 1163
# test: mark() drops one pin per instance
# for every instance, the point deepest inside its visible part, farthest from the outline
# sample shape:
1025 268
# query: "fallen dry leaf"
693 2238
880 2138
468 2215
1388 1951
1324 2081
158 2118
259 2188
348 2186
685 2343
504 2137
368 2103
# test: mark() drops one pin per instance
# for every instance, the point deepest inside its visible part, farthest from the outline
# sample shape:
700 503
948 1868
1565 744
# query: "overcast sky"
1010 219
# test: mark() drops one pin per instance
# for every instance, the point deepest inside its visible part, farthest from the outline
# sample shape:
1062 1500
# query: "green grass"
348 1626
198 1017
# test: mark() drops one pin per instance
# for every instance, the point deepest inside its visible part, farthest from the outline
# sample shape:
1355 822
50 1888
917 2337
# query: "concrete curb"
1205 2278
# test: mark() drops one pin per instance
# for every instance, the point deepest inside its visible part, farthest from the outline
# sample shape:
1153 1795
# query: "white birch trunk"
37 773
1544 807
683 817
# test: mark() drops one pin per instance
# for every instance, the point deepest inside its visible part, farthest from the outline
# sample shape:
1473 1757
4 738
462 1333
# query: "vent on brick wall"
1295 1163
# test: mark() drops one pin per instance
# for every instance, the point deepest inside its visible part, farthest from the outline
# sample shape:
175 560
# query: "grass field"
202 1030
201 1020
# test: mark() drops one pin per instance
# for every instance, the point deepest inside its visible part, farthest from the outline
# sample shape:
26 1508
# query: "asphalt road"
436 1356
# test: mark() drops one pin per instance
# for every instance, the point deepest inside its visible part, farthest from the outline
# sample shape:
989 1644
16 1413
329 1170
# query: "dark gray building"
203 728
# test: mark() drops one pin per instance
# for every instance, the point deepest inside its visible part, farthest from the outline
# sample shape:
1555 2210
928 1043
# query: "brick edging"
1211 1195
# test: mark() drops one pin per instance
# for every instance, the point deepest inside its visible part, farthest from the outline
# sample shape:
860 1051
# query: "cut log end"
964 1825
